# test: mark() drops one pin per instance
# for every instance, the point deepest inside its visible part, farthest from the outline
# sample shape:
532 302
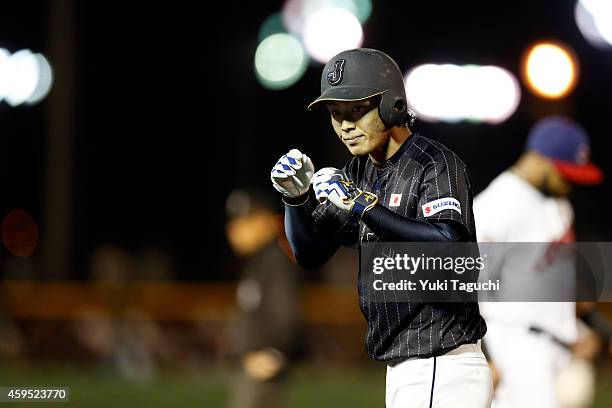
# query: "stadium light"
297 12
601 10
587 26
453 93
329 31
550 70
280 61
25 77
273 24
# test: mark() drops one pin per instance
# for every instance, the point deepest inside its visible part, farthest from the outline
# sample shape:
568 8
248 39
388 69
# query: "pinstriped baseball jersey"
424 180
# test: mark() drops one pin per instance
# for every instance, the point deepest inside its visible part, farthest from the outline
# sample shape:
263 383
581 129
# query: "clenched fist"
292 173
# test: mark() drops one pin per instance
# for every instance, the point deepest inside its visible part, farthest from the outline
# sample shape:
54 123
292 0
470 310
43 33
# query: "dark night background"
170 117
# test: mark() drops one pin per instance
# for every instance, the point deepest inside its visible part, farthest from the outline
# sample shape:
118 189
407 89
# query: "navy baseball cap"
567 144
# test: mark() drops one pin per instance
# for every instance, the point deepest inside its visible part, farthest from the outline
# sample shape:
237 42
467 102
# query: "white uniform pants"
457 379
528 364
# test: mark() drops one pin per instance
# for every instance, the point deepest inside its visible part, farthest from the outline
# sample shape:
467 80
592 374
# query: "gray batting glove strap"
292 173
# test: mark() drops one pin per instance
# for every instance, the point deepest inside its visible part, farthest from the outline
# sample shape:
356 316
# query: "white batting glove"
292 173
334 185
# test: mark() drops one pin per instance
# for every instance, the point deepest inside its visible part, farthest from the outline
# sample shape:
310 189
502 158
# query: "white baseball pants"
457 379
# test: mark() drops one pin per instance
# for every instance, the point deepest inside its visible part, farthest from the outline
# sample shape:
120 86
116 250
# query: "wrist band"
296 204
363 202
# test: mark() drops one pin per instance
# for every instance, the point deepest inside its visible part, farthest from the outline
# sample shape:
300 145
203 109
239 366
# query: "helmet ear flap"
393 110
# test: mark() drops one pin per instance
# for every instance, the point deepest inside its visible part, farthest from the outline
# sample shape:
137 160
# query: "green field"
306 387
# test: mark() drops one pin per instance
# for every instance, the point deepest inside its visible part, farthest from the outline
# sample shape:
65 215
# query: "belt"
396 361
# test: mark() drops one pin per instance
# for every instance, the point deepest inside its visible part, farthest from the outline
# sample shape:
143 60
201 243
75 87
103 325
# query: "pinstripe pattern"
421 171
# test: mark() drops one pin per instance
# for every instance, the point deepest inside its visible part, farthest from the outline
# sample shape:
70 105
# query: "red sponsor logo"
427 210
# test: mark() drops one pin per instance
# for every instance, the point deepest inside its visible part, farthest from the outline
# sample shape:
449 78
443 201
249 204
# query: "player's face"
358 125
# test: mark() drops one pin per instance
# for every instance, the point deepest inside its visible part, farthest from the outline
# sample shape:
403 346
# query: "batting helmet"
362 73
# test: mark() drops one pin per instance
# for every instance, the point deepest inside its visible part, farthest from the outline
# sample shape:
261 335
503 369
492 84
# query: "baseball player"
386 192
529 342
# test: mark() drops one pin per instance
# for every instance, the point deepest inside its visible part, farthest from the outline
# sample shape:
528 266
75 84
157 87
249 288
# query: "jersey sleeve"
445 192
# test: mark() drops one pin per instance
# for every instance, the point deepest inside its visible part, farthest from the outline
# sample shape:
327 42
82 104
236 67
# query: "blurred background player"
265 327
529 343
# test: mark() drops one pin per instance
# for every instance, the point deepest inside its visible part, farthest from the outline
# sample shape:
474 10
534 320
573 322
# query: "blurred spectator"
265 328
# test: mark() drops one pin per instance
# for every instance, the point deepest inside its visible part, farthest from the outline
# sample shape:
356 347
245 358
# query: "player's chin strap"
363 202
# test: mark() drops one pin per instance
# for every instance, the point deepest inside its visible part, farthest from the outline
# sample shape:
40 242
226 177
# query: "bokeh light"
23 71
19 233
453 93
25 77
550 70
600 12
293 16
364 10
330 31
295 13
271 25
280 61
5 69
45 80
587 26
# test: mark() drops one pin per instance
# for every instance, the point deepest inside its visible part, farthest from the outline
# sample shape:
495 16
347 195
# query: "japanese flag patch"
395 200
434 207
